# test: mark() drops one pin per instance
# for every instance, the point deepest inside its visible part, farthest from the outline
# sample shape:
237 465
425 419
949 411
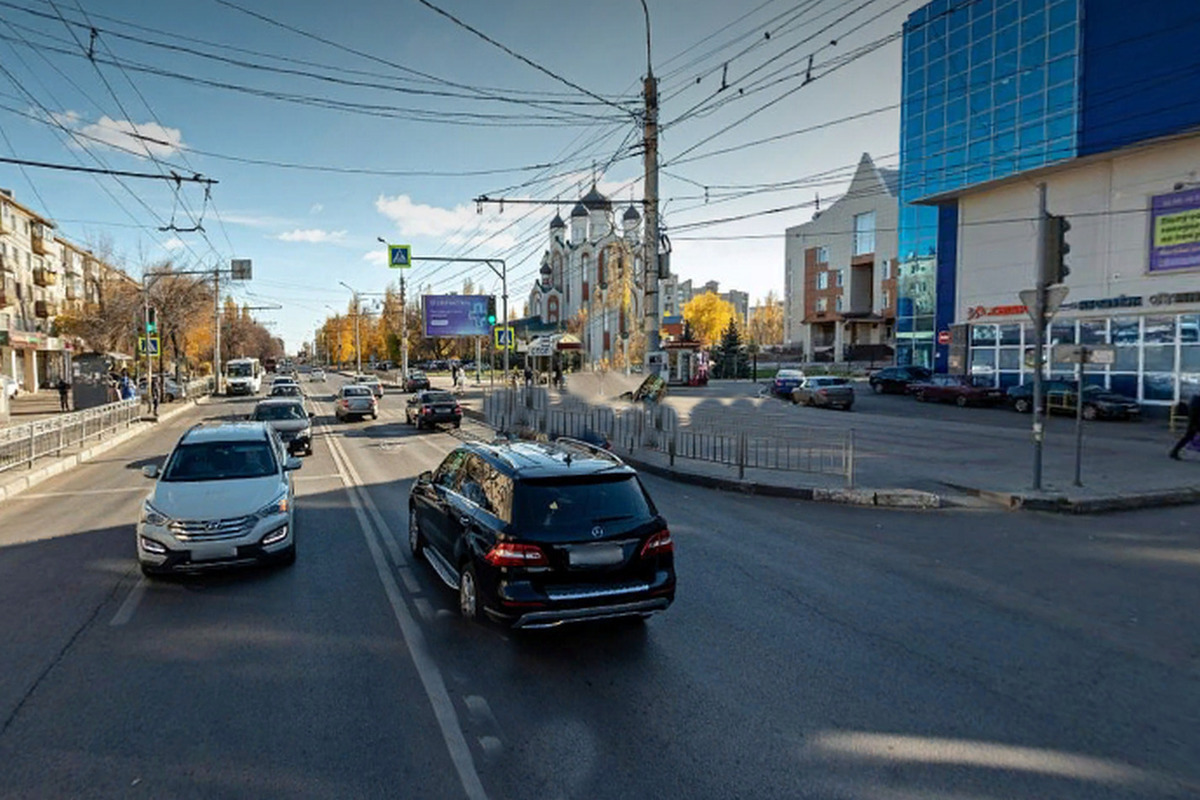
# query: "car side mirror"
312 415
150 471
292 464
425 477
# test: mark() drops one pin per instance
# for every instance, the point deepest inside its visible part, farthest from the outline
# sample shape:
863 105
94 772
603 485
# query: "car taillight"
822 392
658 544
426 410
457 409
345 402
510 554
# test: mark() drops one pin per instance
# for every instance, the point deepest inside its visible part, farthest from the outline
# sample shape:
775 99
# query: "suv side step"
441 566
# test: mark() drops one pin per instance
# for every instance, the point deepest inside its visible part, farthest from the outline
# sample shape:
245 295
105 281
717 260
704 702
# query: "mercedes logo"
597 532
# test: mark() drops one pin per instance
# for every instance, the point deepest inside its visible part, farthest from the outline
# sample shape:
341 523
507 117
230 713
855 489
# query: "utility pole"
403 329
357 339
149 355
650 234
1039 339
217 335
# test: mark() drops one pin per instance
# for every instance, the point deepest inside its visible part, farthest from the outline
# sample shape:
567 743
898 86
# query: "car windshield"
280 411
286 389
355 391
437 397
556 506
239 371
788 374
218 461
416 375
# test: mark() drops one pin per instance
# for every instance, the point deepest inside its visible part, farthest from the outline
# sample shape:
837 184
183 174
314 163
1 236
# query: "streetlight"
650 232
403 321
357 340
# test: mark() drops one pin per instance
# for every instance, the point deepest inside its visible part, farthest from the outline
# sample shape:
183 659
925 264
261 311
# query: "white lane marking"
410 580
418 648
80 493
125 612
326 477
423 608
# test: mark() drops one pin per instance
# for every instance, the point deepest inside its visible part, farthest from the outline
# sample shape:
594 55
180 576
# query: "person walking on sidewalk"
1193 426
64 389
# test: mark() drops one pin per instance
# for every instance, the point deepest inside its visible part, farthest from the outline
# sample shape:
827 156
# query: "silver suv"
224 498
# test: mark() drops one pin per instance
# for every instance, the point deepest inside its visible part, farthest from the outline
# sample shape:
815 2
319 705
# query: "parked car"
535 535
355 401
384 366
171 389
416 381
317 376
371 382
223 498
288 417
825 391
1061 398
786 380
11 387
428 408
961 390
897 380
286 390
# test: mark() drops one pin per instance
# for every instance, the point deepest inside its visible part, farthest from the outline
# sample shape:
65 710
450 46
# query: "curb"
876 498
1065 504
61 465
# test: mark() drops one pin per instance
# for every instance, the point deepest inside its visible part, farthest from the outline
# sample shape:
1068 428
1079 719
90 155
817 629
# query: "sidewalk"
919 462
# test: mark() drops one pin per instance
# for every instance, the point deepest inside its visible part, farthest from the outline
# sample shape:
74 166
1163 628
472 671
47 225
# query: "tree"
708 315
730 359
766 321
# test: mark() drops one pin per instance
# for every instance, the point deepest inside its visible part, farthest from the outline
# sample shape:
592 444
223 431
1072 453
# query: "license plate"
213 552
443 409
596 555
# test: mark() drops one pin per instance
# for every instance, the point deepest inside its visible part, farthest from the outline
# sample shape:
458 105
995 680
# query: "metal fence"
21 445
657 428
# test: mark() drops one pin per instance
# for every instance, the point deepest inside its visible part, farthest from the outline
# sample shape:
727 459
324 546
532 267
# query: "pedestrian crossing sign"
154 349
399 256
505 340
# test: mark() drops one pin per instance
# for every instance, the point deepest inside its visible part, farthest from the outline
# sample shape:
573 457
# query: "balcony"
44 309
40 240
6 223
44 277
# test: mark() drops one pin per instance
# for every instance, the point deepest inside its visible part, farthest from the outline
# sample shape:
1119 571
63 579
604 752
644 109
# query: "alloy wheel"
468 600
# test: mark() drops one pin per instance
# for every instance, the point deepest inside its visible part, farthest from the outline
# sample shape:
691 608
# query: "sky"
328 126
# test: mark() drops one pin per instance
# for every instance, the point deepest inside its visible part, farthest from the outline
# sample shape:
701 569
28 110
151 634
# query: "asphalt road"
813 651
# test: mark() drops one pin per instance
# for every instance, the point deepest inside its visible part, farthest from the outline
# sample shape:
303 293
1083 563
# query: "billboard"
456 315
1175 231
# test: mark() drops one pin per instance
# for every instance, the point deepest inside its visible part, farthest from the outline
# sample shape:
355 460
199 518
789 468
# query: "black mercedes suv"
537 534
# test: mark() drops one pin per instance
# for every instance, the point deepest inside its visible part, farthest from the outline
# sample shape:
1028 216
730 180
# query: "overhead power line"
172 177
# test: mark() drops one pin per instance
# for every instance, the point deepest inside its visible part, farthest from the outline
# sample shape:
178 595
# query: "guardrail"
22 445
816 451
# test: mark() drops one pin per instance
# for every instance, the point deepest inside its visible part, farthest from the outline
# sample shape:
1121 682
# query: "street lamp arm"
646 11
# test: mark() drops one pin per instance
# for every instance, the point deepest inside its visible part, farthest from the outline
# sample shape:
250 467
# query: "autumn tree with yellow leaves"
708 315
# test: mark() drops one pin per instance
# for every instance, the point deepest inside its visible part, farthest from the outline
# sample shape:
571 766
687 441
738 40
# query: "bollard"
671 448
850 459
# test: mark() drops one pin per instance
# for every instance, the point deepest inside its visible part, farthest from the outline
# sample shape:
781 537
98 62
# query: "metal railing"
657 428
22 445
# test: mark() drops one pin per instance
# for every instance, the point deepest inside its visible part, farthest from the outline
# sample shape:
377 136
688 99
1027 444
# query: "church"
591 279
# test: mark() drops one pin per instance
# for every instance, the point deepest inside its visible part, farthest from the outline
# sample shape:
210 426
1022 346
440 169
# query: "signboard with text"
456 315
1175 231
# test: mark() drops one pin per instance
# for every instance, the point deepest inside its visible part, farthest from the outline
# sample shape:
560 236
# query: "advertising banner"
1175 231
456 315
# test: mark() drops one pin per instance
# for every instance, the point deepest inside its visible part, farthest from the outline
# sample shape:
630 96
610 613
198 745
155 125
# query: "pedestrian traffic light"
151 321
1057 248
491 309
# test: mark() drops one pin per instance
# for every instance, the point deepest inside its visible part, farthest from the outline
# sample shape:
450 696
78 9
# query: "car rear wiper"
612 518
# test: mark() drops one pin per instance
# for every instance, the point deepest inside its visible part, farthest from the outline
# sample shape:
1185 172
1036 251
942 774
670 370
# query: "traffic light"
1057 248
151 321
491 309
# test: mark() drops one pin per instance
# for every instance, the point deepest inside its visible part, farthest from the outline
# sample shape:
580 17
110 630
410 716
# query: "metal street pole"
1039 339
650 287
217 334
357 339
1079 416
149 355
501 273
403 319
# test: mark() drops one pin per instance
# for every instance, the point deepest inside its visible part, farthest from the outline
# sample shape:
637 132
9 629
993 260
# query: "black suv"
897 380
537 534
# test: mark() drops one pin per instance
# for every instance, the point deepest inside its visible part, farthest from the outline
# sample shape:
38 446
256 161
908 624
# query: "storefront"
35 360
1157 342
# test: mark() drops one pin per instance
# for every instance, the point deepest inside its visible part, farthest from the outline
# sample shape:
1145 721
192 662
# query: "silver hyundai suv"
224 498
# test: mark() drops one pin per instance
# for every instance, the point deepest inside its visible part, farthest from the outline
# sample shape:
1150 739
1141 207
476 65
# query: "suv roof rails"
495 450
591 448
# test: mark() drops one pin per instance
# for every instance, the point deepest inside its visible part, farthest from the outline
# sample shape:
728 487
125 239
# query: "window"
886 271
822 280
887 299
840 278
822 305
838 305
822 255
864 233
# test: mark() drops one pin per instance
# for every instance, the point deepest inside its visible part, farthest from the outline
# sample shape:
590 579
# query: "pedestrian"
1193 426
155 394
64 400
558 376
127 391
528 376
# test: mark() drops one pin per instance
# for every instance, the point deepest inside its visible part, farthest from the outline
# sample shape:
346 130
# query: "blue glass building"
996 87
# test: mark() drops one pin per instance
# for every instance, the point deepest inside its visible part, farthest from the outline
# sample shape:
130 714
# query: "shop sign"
978 312
26 339
1175 231
1169 299
1123 301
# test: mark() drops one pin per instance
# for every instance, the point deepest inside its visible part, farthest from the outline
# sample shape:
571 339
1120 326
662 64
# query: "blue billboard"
456 315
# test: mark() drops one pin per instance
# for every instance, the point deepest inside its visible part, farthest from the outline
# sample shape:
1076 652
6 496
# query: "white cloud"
316 208
174 243
311 236
376 257
135 138
256 220
68 119
461 225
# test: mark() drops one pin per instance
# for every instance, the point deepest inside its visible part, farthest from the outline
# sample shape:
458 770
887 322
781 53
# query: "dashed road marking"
125 612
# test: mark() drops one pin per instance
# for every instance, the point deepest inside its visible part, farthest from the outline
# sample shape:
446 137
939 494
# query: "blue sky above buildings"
307 229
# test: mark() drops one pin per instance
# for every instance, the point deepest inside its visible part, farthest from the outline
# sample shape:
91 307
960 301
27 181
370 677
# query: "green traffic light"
491 319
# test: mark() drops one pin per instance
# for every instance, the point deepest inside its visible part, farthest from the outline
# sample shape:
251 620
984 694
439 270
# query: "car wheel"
374 416
921 397
877 388
308 450
1090 412
1021 405
468 593
458 423
415 541
961 401
151 571
285 558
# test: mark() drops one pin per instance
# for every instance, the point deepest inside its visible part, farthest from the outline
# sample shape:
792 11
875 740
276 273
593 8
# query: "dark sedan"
427 409
897 380
1061 398
961 390
825 391
416 381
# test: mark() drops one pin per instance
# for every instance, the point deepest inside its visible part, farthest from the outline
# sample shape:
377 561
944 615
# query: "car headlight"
152 516
277 506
